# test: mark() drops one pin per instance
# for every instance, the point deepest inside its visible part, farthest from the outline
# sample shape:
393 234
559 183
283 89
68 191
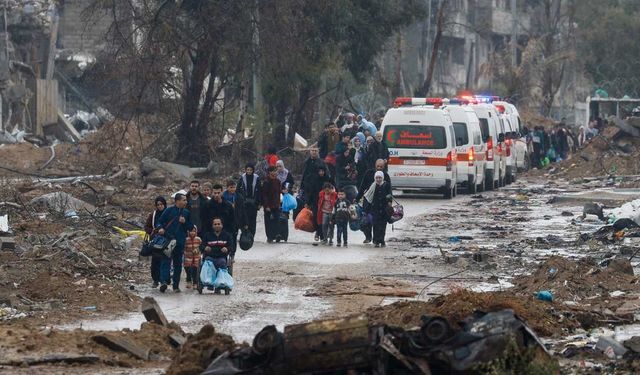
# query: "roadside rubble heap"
614 152
156 340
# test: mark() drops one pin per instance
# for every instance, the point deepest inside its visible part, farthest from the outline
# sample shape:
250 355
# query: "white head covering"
379 174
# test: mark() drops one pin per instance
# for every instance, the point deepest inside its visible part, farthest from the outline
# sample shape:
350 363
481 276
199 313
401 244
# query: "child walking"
326 203
341 216
192 257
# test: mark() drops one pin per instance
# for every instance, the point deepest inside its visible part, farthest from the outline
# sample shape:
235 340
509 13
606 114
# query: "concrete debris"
152 311
62 202
156 171
9 313
4 224
122 344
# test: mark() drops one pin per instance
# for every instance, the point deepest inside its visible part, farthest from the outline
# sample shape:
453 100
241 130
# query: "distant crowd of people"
557 144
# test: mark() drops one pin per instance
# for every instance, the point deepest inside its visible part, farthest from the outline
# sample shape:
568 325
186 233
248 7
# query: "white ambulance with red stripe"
470 147
422 146
493 136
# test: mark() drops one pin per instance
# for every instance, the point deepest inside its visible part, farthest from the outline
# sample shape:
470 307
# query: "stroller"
214 275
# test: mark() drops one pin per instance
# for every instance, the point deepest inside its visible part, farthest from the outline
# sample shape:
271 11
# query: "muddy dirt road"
276 283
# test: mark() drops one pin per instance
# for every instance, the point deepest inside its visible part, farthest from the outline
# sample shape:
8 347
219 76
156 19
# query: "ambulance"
493 135
470 148
517 137
422 146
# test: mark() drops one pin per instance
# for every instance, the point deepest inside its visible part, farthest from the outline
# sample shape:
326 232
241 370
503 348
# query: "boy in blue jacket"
174 223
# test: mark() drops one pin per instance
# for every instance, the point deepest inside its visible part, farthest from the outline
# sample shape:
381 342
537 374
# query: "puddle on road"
242 314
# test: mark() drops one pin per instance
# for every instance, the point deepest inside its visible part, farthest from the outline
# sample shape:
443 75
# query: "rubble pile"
455 306
199 350
614 152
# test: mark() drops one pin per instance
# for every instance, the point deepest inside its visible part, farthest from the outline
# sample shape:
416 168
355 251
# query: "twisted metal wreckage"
336 346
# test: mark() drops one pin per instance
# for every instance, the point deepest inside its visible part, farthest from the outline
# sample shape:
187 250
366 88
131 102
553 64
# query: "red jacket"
333 197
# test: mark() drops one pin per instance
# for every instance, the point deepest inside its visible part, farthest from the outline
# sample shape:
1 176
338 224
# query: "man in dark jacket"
219 207
195 204
367 182
174 223
310 168
217 245
249 189
270 199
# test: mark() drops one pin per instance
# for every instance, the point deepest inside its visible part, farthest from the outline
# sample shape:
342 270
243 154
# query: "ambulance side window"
477 137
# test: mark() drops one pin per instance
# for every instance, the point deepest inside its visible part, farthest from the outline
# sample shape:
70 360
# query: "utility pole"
514 33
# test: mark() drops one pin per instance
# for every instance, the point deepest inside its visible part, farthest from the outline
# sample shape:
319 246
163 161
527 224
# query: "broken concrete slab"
62 202
177 340
154 169
152 311
4 224
624 126
123 344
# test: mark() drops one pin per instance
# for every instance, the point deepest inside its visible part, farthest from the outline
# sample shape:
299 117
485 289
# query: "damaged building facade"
46 45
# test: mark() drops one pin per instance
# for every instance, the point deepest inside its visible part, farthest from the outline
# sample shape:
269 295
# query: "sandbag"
304 221
223 279
246 240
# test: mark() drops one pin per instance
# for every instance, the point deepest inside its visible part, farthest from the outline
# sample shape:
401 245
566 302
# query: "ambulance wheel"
473 188
488 181
448 194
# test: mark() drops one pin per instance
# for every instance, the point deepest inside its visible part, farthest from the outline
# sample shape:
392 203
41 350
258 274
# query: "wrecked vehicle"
338 346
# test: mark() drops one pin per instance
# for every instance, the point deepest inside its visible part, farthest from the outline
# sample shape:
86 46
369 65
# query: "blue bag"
207 272
159 242
223 279
288 202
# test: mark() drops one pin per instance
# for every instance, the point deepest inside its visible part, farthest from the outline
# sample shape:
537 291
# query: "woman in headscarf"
284 175
359 157
160 204
377 203
346 168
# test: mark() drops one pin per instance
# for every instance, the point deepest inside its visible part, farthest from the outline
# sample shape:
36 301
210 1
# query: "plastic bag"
288 203
397 213
246 240
207 272
304 221
223 279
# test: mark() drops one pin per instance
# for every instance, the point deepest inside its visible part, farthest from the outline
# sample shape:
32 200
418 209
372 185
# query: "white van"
421 143
518 138
493 136
508 150
470 148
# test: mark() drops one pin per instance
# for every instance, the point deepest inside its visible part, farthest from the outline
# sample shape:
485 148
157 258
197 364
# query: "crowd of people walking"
345 168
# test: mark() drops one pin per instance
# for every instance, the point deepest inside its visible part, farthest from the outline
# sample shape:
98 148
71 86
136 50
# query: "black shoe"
209 288
346 245
377 245
338 244
163 288
368 240
155 284
176 289
269 240
383 244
